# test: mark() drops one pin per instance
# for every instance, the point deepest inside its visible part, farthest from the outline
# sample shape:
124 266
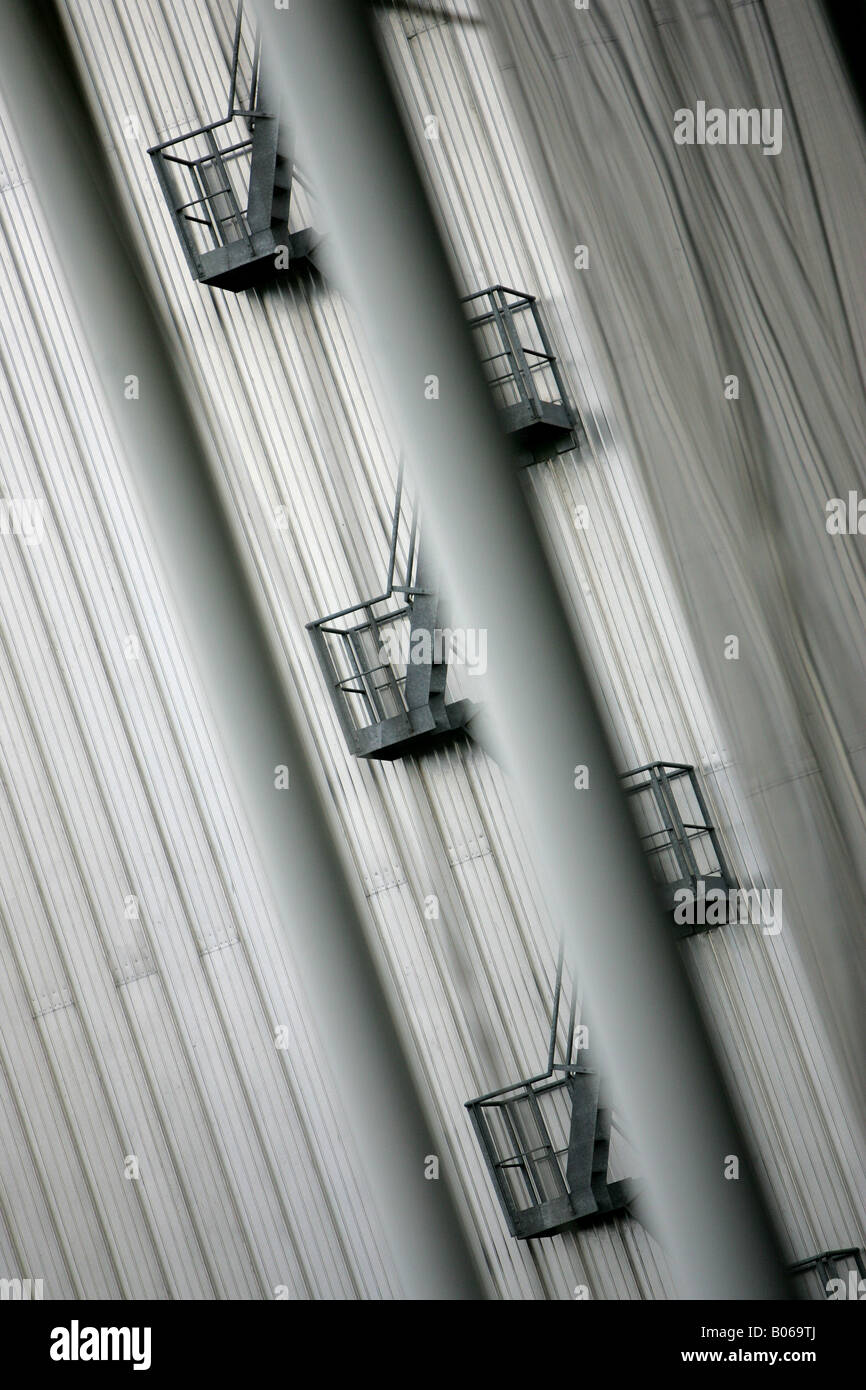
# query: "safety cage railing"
546 1139
524 1133
385 659
228 183
832 1274
522 369
682 845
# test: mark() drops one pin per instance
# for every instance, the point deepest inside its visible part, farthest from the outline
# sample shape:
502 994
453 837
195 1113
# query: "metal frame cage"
677 834
368 687
546 1139
389 705
525 1133
228 185
522 369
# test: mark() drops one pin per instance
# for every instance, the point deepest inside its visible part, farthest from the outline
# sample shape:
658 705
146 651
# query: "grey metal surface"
250 1184
247 694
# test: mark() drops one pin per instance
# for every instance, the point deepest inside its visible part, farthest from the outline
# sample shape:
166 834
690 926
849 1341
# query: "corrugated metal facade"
141 974
734 270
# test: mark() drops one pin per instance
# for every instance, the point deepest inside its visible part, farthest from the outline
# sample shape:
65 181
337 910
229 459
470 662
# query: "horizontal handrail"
211 156
803 1266
526 1086
194 202
360 607
679 768
371 671
206 129
498 289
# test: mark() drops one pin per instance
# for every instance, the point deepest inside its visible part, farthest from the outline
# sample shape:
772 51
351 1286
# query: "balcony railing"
834 1274
365 656
385 659
546 1179
683 846
522 369
228 186
546 1140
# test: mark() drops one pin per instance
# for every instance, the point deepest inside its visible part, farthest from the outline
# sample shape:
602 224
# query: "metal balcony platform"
384 662
538 425
387 709
228 185
243 265
546 1140
522 371
683 846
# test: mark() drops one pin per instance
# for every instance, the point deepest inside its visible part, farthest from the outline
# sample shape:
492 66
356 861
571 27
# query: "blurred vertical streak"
222 624
388 255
